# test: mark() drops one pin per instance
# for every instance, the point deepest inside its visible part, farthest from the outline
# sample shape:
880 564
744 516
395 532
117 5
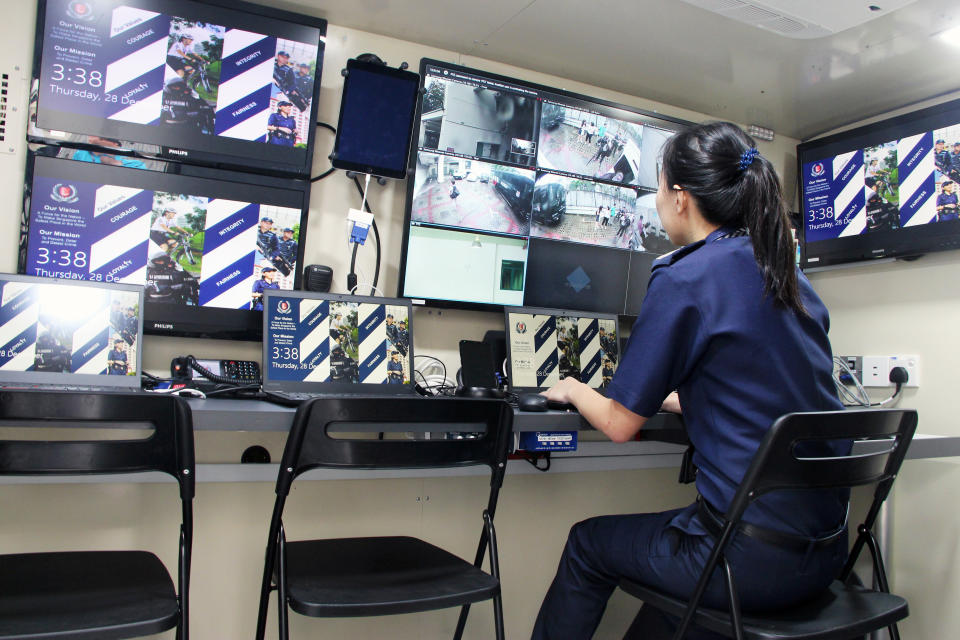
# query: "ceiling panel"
682 55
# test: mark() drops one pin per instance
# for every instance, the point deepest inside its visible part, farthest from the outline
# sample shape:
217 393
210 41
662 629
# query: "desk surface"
256 415
658 448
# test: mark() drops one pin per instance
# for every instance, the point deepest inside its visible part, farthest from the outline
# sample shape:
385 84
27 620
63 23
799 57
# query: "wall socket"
876 370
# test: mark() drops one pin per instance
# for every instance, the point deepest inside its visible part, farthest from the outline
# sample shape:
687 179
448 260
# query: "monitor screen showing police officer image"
500 158
545 346
326 342
205 246
228 85
884 190
63 333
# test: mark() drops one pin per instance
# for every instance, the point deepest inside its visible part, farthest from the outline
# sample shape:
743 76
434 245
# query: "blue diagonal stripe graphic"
378 355
371 322
544 333
589 334
544 370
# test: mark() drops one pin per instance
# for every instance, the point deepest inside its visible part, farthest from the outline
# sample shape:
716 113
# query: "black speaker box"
317 277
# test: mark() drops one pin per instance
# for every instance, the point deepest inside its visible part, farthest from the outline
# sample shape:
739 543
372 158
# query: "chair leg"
265 588
734 601
498 616
715 555
462 621
880 574
282 620
266 585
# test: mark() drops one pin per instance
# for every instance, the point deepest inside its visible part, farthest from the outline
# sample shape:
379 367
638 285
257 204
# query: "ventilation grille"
4 103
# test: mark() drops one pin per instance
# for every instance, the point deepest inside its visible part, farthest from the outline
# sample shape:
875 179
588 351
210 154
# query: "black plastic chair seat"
101 595
840 612
349 577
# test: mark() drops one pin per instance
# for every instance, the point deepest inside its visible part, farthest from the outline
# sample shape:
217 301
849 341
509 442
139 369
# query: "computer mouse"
479 392
532 402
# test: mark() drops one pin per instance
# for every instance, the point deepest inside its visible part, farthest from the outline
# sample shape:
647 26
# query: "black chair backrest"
777 465
309 445
169 448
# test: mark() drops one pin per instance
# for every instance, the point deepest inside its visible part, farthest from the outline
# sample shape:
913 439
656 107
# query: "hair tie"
747 158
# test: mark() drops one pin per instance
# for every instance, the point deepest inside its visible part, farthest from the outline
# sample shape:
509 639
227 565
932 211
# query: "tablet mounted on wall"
376 119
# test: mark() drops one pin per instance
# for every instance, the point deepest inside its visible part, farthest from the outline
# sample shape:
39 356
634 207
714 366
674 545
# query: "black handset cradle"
213 374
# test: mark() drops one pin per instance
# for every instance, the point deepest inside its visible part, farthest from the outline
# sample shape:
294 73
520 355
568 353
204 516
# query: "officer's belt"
714 522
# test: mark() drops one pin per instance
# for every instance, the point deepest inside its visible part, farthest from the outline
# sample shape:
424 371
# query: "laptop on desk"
547 345
330 344
70 334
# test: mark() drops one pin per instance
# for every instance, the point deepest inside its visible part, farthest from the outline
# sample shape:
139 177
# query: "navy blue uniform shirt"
707 330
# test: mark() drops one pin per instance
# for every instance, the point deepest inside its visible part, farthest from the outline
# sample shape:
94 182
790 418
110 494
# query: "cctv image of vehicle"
549 203
516 190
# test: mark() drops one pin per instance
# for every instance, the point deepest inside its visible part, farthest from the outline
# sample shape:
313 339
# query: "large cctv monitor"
526 195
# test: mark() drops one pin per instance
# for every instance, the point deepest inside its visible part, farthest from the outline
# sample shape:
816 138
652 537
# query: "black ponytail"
734 186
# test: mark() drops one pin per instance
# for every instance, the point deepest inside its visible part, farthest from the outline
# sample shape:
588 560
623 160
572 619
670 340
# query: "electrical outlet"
876 370
855 364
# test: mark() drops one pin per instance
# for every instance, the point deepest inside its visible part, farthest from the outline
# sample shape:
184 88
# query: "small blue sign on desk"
548 440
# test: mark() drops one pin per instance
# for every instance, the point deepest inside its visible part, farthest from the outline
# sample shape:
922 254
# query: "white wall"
898 308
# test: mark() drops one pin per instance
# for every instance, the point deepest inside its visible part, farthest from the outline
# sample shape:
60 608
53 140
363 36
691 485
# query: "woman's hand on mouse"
564 390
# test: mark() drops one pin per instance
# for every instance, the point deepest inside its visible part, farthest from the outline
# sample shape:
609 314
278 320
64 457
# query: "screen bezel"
174 319
559 313
63 379
336 387
902 243
642 116
247 156
383 70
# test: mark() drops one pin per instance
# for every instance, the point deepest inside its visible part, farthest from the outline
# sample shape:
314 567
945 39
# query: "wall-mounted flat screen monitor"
884 190
225 84
526 195
204 243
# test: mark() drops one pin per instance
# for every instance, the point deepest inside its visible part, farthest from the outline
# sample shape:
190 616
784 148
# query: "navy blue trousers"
668 551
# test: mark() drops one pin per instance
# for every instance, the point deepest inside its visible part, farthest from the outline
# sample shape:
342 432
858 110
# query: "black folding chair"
74 595
845 610
375 576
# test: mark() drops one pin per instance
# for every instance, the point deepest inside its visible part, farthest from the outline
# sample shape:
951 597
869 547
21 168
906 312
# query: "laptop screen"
336 343
546 345
65 333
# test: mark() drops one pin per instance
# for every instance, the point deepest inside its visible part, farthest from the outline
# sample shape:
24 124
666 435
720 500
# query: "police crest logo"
283 307
521 327
65 193
817 169
80 11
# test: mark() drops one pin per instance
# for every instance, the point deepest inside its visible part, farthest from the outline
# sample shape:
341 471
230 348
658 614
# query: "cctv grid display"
205 246
884 190
229 84
341 340
546 346
527 195
58 331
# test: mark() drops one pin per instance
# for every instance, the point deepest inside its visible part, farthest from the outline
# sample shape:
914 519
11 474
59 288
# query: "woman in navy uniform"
117 359
733 327
281 126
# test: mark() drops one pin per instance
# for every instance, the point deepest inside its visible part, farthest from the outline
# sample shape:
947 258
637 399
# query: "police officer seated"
731 293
